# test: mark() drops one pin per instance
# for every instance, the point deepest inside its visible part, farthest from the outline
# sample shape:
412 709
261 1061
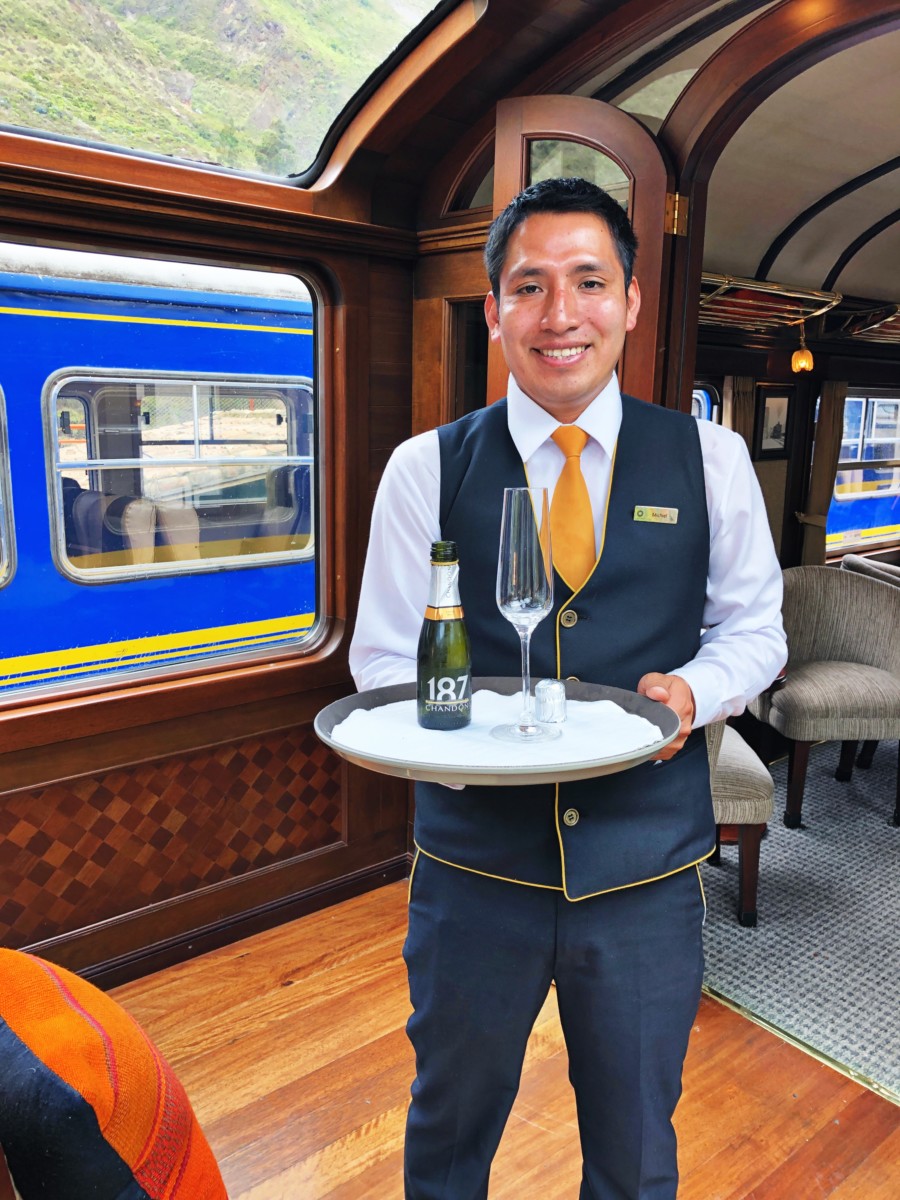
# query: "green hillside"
247 83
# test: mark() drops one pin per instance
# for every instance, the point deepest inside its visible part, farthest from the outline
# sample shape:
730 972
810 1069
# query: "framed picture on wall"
773 414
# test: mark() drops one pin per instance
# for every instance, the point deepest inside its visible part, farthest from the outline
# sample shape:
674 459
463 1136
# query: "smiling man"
560 309
667 584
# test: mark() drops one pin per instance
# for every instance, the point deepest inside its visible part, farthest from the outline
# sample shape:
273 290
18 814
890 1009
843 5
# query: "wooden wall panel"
391 370
146 822
94 848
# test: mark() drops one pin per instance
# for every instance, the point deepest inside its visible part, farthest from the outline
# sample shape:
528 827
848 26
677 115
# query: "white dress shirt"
742 646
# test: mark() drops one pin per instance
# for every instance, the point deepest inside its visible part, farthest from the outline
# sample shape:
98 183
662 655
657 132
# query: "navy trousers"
481 954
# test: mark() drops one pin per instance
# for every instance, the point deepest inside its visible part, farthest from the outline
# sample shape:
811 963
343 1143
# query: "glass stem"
527 717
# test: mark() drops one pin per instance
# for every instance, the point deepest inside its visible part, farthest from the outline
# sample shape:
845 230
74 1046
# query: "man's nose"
562 310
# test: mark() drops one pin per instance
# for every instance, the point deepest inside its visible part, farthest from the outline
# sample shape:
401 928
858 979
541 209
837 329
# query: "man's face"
563 310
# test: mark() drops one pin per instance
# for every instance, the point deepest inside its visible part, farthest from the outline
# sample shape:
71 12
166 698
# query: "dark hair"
560 196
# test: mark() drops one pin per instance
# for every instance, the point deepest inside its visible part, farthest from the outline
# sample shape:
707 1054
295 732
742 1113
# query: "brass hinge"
676 214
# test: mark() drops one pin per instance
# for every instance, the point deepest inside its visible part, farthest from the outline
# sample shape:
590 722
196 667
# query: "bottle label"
447 693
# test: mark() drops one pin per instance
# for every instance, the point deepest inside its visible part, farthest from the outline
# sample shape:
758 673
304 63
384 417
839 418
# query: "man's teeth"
567 352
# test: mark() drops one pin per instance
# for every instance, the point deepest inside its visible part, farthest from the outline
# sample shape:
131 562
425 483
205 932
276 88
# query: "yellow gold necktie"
571 519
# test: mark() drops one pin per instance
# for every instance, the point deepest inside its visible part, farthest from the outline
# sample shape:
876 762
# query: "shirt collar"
530 425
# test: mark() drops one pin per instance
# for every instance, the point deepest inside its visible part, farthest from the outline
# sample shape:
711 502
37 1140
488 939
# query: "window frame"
7 522
128 377
869 397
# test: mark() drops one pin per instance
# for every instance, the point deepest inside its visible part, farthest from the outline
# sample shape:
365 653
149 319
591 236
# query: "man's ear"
492 316
632 305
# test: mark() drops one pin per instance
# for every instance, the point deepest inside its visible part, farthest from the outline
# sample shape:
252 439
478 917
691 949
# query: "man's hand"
673 691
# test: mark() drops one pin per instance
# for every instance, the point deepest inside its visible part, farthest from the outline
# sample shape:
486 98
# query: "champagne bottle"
444 659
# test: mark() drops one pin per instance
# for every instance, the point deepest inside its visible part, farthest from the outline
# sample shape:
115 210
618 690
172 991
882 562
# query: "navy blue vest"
640 610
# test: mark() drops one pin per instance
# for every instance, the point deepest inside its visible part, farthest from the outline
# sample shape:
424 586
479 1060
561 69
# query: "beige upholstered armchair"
742 793
843 671
873 567
887 573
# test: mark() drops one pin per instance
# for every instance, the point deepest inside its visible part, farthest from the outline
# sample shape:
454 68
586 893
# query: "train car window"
550 159
706 404
199 69
175 406
865 507
157 474
7 542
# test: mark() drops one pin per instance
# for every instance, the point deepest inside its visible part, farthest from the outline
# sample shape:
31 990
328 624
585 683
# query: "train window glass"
865 507
249 86
883 431
549 159
851 441
158 474
706 403
7 545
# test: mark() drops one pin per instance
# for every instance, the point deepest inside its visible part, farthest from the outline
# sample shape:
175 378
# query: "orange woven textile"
72 1058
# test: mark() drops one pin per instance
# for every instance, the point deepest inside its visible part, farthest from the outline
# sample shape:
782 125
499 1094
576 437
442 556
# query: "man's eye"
593 284
528 289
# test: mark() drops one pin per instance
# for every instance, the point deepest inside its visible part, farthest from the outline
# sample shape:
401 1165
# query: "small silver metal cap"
550 701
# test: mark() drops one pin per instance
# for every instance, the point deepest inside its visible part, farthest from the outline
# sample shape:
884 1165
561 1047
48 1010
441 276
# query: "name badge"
660 516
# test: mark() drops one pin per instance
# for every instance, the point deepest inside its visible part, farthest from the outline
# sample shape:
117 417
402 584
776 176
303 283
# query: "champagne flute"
525 591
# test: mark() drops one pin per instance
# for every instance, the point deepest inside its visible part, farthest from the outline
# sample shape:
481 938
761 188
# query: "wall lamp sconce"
802 359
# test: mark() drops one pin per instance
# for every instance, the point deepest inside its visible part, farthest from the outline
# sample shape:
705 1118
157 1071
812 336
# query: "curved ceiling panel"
810 255
856 276
651 97
835 121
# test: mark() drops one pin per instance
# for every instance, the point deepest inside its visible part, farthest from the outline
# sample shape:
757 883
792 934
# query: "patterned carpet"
823 964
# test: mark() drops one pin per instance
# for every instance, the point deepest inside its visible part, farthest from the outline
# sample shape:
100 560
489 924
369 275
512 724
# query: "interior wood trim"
62 761
832 197
858 244
442 241
618 33
615 34
684 40
779 45
414 87
48 191
44 721
367 94
108 962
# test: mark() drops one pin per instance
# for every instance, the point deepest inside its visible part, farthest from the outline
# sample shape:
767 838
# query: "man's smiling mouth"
566 352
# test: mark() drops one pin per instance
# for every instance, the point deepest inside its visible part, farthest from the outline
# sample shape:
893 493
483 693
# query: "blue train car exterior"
159 472
865 509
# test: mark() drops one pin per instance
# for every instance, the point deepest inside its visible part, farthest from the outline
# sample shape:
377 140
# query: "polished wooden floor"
291 1045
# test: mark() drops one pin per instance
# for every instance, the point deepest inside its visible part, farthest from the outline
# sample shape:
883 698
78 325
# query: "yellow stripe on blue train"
176 518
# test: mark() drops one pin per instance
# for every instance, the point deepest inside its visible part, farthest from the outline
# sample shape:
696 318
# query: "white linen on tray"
594 729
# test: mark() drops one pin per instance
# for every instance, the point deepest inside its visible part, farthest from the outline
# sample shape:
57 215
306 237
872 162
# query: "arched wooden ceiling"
806 191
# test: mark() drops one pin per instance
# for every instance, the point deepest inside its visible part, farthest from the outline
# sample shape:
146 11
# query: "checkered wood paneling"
102 845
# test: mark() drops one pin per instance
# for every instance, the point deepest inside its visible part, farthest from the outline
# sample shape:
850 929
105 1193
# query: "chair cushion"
831 700
89 1108
742 788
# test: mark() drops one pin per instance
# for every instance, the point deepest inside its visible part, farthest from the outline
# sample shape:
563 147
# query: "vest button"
569 618
571 816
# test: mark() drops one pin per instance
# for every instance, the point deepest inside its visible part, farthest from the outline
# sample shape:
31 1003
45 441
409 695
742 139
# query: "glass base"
531 732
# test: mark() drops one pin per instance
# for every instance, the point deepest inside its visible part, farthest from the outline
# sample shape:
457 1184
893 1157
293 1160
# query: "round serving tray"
663 717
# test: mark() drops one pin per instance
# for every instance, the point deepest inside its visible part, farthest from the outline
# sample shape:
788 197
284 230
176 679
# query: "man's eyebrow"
587 268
